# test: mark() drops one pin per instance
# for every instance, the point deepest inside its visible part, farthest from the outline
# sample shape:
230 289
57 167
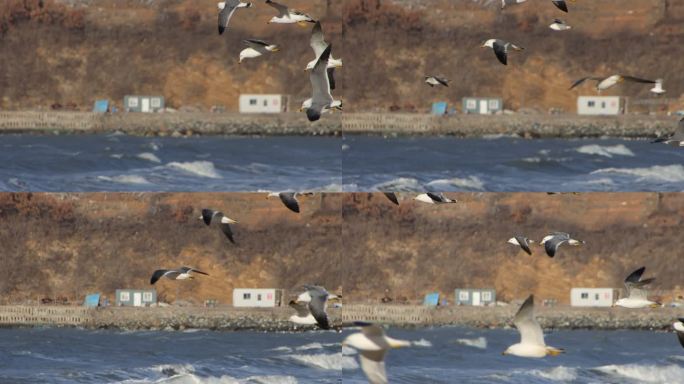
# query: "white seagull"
373 344
676 139
312 304
433 198
436 80
559 25
603 83
658 88
289 199
209 216
256 49
226 10
636 294
319 45
301 305
523 242
321 98
175 274
288 16
501 48
531 335
679 328
553 241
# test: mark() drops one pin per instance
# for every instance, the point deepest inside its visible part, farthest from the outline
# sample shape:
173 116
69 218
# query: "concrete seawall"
276 319
183 124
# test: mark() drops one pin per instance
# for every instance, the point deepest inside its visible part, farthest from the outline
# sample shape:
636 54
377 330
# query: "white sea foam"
605 150
496 136
478 342
126 179
333 361
116 155
314 345
559 373
402 184
471 182
281 349
149 157
533 159
422 343
197 168
667 173
645 373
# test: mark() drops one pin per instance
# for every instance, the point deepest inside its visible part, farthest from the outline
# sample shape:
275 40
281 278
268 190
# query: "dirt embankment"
360 244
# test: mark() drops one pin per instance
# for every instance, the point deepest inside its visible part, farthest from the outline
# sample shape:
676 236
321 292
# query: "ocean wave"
126 179
117 155
401 184
148 156
471 182
667 173
333 361
422 343
315 345
281 349
478 342
197 168
605 150
559 373
645 373
496 136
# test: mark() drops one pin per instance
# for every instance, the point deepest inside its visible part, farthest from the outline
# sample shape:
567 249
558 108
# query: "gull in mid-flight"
319 45
559 25
553 241
175 274
312 304
523 242
436 80
289 199
501 48
373 344
531 335
433 198
658 88
676 139
288 16
637 297
226 10
321 99
210 216
603 83
256 49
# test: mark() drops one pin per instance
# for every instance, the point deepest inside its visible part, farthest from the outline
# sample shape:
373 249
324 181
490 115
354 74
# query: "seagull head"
488 44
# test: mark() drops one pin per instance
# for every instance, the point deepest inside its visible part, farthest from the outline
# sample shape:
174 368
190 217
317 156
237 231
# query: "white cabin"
264 103
257 297
600 105
593 297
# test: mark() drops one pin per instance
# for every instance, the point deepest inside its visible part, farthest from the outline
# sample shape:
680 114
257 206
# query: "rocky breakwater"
180 318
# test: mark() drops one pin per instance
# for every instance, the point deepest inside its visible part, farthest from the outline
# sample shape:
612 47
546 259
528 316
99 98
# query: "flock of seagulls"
322 67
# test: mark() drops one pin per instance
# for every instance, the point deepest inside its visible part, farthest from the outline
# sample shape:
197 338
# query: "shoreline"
276 319
181 124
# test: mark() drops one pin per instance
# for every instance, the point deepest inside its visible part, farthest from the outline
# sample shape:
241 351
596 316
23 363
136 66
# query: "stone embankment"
276 319
385 124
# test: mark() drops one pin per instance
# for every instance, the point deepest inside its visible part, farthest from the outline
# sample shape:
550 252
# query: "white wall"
261 103
257 297
594 297
599 105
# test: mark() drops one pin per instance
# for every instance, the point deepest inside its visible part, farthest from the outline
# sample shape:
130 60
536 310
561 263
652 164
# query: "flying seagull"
560 4
256 49
559 25
289 199
312 303
436 80
391 196
658 88
175 274
523 242
679 328
209 216
288 16
504 3
603 83
319 45
531 335
501 48
553 241
676 139
301 305
373 344
636 294
321 99
226 10
433 198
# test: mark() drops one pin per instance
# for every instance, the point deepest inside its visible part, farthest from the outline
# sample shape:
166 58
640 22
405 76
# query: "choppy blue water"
505 164
440 355
128 163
